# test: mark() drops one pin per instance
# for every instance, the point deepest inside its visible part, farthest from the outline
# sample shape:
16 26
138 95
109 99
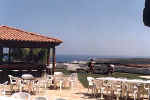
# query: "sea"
70 58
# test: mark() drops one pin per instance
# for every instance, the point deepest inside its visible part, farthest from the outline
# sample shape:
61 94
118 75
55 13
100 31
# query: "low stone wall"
103 69
134 70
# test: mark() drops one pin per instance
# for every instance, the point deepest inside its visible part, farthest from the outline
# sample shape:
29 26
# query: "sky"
87 27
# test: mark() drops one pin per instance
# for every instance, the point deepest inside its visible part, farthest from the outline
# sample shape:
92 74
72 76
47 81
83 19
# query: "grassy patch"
83 79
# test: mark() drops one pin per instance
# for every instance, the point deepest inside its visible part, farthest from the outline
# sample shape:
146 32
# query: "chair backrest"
42 83
90 80
21 96
50 78
40 98
12 79
98 83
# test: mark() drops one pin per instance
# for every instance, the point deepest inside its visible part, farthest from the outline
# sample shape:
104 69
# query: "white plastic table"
29 78
124 80
7 98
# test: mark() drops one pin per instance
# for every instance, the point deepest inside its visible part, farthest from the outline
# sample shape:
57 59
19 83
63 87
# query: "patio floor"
78 92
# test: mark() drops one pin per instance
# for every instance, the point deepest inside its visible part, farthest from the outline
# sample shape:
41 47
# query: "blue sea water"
70 58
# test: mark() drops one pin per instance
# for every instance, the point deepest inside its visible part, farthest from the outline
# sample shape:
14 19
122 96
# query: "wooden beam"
48 56
1 54
54 60
26 44
9 55
48 61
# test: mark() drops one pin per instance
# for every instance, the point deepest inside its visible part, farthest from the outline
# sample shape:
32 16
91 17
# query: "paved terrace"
78 92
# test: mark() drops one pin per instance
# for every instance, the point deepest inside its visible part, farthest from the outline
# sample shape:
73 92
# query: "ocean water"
70 58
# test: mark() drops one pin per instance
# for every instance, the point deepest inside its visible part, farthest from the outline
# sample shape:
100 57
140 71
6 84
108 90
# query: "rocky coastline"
101 68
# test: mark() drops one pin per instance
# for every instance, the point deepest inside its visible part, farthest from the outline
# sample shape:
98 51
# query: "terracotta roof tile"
10 33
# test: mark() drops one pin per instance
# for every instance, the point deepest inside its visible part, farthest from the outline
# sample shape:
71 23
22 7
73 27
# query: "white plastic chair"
58 81
50 79
13 81
35 86
60 86
147 88
20 85
91 84
42 83
133 89
3 92
90 81
102 93
21 96
73 79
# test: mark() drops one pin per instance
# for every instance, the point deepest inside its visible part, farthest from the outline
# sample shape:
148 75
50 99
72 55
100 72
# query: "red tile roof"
14 34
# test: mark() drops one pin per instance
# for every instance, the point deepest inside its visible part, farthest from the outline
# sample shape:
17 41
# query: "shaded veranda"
12 40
